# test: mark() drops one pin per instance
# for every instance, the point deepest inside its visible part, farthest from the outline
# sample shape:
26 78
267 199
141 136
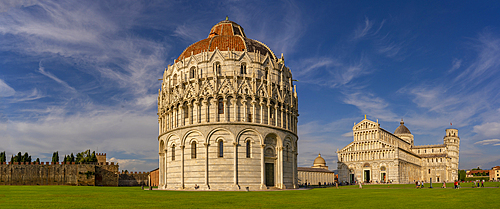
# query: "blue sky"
77 75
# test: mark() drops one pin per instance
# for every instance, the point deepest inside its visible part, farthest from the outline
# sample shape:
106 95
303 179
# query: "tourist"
196 186
360 186
444 185
416 184
482 183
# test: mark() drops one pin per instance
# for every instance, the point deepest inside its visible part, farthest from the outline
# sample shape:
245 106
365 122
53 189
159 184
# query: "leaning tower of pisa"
227 115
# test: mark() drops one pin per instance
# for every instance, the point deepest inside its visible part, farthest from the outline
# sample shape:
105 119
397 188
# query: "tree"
37 160
2 157
55 157
86 157
461 175
18 157
72 158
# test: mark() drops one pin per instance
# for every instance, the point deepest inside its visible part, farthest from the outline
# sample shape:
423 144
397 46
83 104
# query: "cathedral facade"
377 155
227 115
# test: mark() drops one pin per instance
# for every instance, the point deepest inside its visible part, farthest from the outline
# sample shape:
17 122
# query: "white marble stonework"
227 115
378 155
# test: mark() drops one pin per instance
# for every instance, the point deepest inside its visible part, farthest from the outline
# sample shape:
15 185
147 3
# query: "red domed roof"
226 36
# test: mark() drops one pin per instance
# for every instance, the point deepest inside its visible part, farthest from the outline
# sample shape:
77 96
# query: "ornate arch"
186 135
239 135
209 135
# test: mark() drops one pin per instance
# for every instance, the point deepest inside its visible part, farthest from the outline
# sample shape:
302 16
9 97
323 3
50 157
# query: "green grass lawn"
386 196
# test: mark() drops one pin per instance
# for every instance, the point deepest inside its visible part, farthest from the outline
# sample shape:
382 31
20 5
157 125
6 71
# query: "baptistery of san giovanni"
227 113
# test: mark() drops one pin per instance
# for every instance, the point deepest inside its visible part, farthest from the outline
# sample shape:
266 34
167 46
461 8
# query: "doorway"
367 176
351 178
269 174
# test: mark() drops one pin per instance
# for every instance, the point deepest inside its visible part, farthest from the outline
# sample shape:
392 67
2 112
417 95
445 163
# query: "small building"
495 173
154 178
318 174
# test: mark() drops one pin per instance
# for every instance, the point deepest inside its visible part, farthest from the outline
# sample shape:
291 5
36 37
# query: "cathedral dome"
319 161
402 129
226 36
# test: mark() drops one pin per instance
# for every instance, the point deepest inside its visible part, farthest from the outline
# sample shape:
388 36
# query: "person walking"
482 183
444 185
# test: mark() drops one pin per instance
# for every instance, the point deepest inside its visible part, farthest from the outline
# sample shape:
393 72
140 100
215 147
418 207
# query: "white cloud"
134 164
53 77
488 129
494 142
6 90
362 30
455 65
371 105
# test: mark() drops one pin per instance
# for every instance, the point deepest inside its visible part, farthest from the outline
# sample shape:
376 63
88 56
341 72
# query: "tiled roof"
428 146
432 155
226 35
313 169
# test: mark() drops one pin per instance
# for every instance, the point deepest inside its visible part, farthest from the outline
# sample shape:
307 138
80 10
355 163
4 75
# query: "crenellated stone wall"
59 174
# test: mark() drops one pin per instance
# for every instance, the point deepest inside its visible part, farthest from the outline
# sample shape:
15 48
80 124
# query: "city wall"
102 174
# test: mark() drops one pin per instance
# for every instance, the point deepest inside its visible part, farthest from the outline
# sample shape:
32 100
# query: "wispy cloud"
53 77
455 65
488 129
6 90
371 104
494 142
363 30
487 62
330 71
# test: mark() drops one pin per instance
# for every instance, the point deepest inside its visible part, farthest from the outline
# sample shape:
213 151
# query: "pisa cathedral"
227 114
377 155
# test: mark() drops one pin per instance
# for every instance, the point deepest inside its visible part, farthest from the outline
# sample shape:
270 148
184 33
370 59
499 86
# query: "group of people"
479 183
456 184
419 184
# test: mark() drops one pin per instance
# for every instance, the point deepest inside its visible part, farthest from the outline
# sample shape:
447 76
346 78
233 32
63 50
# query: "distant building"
495 173
317 173
377 155
473 173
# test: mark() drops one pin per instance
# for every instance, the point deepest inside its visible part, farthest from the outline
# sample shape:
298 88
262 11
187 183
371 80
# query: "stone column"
235 107
159 126
182 166
280 168
190 113
268 113
216 110
235 161
245 116
253 110
197 108
205 103
262 168
206 165
226 108
261 112
165 169
276 115
281 117
174 118
287 119
160 169
294 174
